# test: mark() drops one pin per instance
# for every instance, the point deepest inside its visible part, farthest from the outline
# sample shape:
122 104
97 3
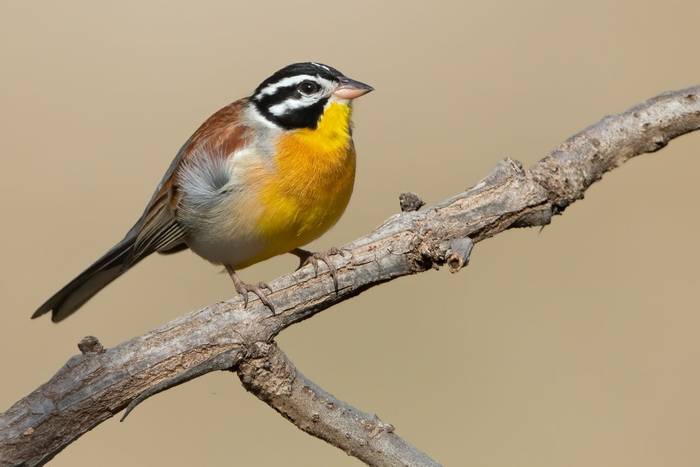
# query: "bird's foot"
307 257
243 288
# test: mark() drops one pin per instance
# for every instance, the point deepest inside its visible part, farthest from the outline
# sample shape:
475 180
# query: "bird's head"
297 95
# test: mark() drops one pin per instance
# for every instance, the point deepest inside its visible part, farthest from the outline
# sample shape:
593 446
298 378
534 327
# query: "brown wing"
158 230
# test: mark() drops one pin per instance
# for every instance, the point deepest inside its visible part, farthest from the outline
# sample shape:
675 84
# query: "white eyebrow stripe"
284 82
289 104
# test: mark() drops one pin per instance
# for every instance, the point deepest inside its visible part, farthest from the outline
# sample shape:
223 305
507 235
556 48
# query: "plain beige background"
574 346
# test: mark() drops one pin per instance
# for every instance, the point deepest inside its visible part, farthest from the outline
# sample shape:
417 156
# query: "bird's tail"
111 265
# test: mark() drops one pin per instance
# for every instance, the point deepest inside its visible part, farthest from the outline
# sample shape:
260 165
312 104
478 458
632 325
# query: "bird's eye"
308 87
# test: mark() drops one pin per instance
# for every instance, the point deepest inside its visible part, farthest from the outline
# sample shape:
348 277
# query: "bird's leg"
242 288
308 257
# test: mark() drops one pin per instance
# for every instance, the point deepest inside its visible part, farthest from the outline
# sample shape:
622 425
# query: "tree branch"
274 380
94 386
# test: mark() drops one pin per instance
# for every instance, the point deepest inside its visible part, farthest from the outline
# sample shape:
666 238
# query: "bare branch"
94 386
274 380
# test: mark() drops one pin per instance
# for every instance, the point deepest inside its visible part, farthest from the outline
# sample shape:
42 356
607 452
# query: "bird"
261 177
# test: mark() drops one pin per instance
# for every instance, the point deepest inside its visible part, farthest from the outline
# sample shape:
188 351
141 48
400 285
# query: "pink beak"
350 89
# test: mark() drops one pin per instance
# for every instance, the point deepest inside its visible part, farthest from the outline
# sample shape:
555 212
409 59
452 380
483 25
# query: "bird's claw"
244 288
257 289
308 257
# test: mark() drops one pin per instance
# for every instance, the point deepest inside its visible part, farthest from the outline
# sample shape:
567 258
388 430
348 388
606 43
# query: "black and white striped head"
296 95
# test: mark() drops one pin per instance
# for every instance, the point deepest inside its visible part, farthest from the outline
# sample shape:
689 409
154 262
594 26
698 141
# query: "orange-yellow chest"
312 183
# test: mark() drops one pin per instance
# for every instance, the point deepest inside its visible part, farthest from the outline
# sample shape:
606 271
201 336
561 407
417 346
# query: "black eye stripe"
280 95
301 117
304 86
287 95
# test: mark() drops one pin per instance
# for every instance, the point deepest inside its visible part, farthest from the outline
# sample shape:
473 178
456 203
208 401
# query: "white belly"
219 208
225 248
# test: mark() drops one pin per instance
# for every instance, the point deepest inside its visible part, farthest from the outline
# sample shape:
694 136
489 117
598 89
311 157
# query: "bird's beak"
350 89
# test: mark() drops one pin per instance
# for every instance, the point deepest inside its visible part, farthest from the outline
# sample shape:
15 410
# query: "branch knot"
90 345
410 202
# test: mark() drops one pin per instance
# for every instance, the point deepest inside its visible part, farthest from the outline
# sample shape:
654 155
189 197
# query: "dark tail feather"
113 264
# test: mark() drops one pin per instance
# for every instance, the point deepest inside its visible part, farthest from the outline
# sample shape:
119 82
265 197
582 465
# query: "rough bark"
99 383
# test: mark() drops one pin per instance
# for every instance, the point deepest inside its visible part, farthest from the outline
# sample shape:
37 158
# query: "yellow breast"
315 173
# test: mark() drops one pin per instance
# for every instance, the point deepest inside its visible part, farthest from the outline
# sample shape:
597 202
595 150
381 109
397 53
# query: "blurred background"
574 346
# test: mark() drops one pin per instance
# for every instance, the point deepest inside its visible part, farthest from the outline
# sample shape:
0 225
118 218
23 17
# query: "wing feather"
158 229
